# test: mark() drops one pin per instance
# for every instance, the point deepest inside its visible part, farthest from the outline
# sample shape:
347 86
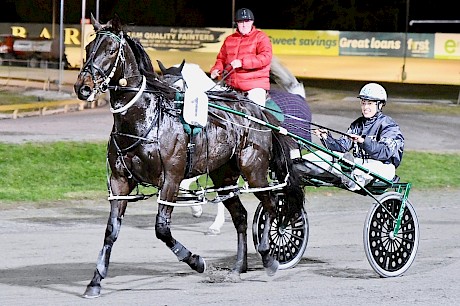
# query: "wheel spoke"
388 255
288 235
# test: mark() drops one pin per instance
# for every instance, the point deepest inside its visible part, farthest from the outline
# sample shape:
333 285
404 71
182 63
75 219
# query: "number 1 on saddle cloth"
195 111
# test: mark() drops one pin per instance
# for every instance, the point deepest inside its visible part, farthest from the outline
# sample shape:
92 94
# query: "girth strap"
190 152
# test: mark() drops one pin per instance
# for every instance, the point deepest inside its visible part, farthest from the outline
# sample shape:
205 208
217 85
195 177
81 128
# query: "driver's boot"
309 170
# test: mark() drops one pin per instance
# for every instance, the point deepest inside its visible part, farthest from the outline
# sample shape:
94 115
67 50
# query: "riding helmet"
373 92
244 14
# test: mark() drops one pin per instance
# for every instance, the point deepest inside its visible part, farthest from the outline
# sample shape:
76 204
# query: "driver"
374 139
246 56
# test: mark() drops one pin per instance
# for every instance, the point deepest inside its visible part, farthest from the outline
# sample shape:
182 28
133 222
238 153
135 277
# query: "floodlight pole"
53 21
61 45
233 14
403 73
82 33
97 10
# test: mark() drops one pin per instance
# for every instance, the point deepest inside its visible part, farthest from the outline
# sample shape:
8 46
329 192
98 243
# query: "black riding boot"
309 171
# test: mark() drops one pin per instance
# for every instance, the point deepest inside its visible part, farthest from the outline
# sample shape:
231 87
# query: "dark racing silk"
383 140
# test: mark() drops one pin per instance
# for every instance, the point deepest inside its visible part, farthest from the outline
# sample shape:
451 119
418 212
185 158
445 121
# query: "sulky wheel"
288 236
389 254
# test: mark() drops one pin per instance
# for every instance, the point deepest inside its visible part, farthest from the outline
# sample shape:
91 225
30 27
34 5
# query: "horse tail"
285 79
283 166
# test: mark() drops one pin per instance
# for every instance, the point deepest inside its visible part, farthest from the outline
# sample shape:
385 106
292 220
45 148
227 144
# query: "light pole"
82 33
61 44
53 21
403 73
97 10
233 14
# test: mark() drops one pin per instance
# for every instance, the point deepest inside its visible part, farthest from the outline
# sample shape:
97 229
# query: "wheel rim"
389 254
288 236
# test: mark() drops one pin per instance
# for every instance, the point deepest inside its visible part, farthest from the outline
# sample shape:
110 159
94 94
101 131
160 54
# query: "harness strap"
130 103
216 122
190 152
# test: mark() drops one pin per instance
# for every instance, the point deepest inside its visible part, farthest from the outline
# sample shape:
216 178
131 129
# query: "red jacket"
255 52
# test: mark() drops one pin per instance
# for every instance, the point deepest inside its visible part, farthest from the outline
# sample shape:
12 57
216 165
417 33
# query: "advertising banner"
420 45
371 44
35 30
180 39
447 46
284 42
298 42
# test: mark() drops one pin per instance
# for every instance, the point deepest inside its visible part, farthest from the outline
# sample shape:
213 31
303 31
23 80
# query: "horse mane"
142 58
285 79
143 61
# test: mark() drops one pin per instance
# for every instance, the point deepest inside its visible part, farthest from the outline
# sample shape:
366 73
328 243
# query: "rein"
90 68
221 81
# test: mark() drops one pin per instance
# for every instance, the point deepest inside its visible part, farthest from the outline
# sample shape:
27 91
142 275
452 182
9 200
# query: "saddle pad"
274 109
195 111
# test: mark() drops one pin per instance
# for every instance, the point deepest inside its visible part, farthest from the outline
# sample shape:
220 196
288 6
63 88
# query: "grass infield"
44 172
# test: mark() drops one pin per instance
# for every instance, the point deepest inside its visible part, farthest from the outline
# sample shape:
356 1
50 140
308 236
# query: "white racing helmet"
373 92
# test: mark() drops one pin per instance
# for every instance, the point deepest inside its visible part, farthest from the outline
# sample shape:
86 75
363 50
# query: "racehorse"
148 146
290 97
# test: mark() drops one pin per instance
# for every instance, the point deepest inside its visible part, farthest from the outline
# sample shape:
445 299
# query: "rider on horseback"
246 55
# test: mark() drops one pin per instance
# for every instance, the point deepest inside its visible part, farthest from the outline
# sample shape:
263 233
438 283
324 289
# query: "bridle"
173 81
101 78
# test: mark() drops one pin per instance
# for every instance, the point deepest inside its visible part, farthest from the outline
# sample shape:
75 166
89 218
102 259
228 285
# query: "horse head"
188 75
173 75
106 58
285 79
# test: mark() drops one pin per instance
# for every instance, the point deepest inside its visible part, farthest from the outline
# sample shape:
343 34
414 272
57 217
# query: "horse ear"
181 65
97 26
116 22
162 67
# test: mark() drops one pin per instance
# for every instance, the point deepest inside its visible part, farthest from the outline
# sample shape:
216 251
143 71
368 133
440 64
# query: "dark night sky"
342 15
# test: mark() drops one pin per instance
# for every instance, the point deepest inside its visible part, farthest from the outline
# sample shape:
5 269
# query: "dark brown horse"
149 146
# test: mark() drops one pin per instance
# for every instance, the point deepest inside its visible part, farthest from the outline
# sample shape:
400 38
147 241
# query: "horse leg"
227 176
197 210
240 221
219 220
117 211
163 232
254 168
269 262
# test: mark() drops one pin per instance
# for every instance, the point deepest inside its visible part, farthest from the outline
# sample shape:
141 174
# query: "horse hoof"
201 265
92 292
197 211
197 263
213 231
271 270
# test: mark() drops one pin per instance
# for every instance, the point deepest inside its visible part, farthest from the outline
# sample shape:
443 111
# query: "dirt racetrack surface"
49 250
49 255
